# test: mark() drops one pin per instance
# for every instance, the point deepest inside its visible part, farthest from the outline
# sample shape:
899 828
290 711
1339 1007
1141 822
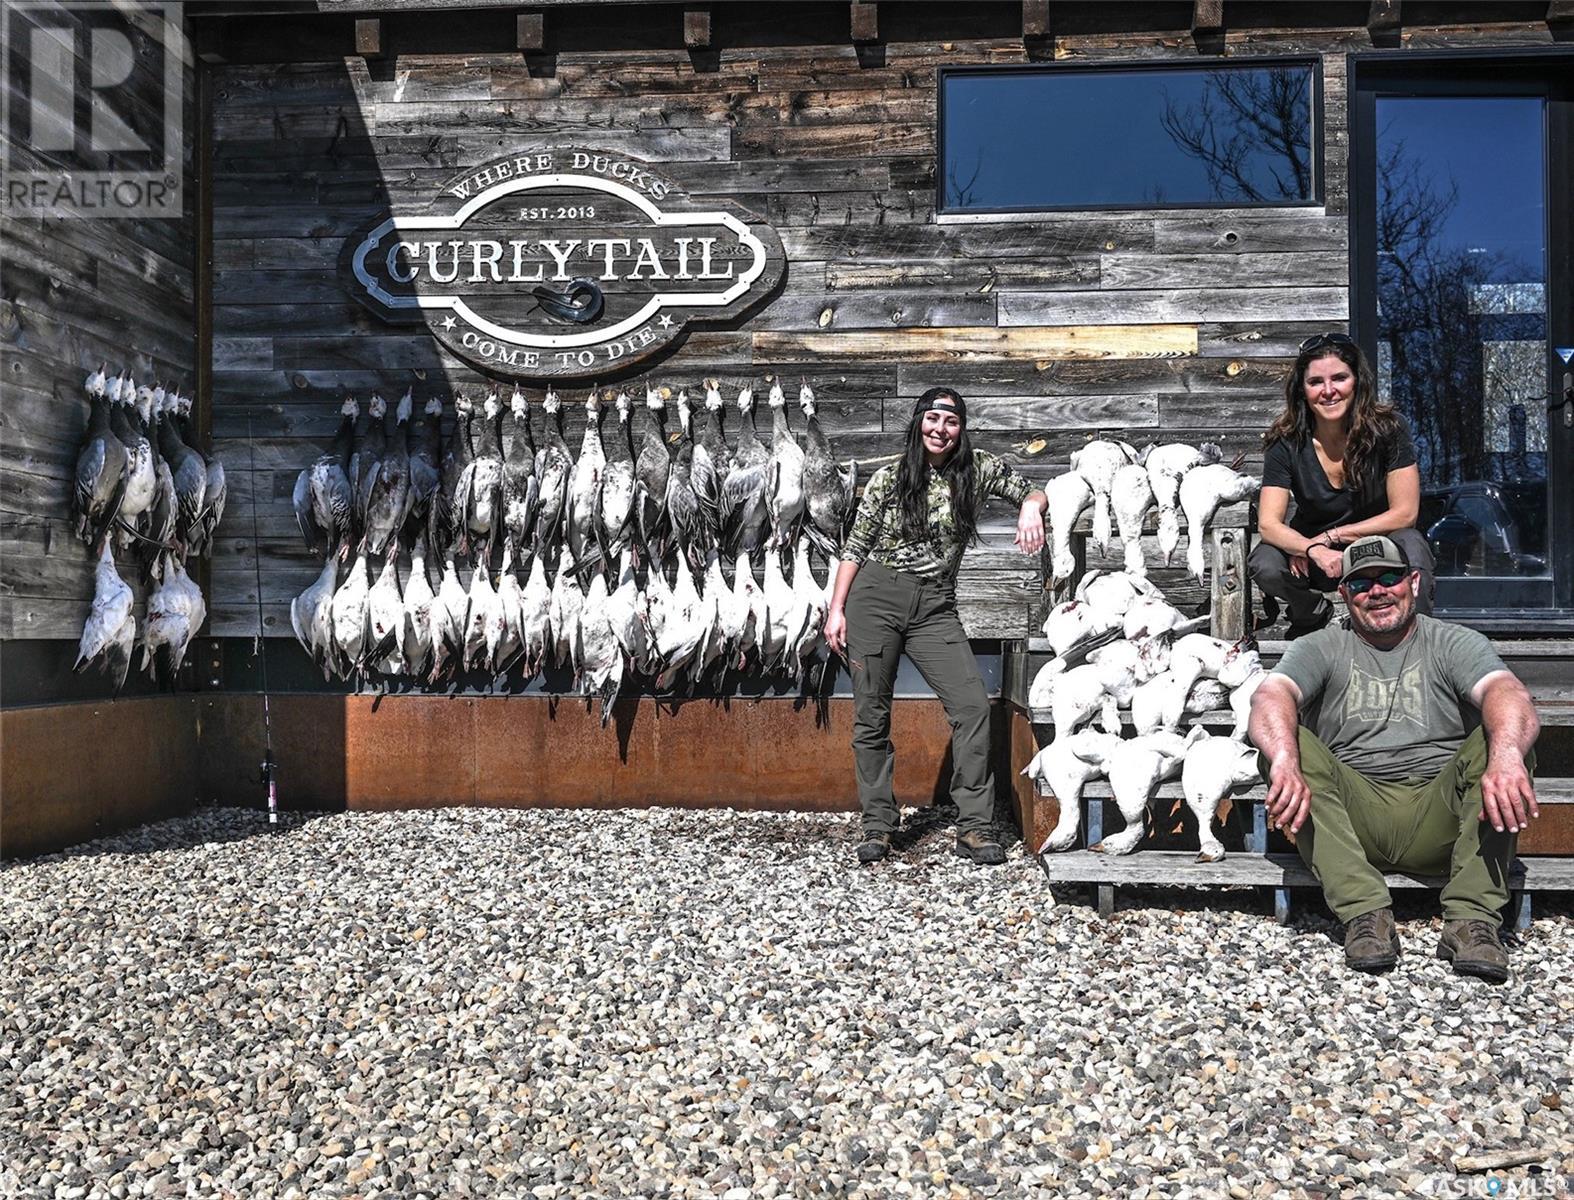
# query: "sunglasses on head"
1357 584
1318 340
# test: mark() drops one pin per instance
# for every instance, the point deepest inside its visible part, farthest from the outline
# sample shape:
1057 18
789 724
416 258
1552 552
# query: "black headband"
941 400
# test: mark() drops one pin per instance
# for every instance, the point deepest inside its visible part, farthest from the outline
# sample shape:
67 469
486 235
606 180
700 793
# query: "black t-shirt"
1318 504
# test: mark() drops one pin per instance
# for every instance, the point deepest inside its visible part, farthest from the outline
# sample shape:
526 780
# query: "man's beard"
1393 617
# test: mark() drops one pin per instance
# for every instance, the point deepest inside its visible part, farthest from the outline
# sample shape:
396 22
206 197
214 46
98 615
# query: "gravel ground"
573 1004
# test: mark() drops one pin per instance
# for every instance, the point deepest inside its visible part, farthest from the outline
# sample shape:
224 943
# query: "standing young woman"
896 592
1349 464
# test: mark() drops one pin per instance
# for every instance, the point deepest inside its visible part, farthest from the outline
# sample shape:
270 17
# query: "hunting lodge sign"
561 264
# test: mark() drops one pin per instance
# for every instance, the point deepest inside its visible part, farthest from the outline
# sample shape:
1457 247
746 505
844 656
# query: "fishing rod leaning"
268 766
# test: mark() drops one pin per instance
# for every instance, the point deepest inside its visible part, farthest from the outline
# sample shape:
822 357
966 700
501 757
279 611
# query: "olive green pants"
890 613
1360 827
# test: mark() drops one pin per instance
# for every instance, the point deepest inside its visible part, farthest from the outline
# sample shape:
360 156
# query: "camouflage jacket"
877 530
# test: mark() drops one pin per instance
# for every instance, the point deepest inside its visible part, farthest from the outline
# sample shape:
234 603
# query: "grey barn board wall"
1196 312
74 293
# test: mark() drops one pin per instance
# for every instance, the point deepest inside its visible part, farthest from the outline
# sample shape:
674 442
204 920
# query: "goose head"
776 397
625 406
745 398
96 382
713 400
406 405
552 404
806 399
434 407
377 407
518 405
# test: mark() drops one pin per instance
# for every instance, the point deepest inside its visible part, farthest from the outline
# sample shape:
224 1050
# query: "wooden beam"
369 37
1207 19
1382 21
696 26
1035 20
530 29
1559 12
865 21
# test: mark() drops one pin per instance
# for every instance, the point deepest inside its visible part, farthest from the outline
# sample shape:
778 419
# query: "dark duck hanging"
744 513
444 518
651 469
683 504
480 496
324 503
388 484
827 487
190 474
426 449
520 494
367 456
553 466
617 485
101 468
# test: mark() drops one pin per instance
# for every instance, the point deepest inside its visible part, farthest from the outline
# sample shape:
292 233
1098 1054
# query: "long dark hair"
912 475
1368 423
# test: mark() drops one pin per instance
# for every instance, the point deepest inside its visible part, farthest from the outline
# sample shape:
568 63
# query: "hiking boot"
1474 949
1371 943
981 847
874 847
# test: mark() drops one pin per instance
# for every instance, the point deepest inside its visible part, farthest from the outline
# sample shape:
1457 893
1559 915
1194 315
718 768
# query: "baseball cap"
945 399
1375 551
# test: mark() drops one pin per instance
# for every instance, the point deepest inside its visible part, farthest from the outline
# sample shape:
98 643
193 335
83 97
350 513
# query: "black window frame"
1485 602
1126 66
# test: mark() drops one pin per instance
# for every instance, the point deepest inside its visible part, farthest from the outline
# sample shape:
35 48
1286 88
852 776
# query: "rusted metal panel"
71 772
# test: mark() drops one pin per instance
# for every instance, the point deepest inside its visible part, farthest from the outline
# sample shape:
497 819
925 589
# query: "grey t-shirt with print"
1391 714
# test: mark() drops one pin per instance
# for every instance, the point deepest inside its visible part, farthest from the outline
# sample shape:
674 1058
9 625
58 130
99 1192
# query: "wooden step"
1179 868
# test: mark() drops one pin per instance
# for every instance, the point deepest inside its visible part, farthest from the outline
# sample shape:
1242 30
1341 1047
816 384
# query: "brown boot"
981 847
874 847
1371 943
1475 949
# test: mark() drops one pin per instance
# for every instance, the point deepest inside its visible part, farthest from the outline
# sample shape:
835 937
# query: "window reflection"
1461 264
1128 137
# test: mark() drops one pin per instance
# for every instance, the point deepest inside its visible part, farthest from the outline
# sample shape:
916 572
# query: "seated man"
1388 769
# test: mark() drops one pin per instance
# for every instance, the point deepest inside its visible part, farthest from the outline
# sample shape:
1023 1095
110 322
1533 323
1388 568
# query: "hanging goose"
751 601
1097 462
1202 491
617 484
626 610
100 479
483 617
449 611
1131 495
445 519
684 629
190 474
505 651
480 495
535 606
1166 465
519 478
367 456
426 449
215 491
415 628
384 650
133 420
568 601
708 465
387 485
111 627
785 490
349 617
651 470
601 657
683 504
553 466
175 611
324 503
744 512
827 488
584 489
311 616
783 615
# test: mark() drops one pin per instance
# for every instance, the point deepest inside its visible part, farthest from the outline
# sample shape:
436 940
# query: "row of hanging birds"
633 536
143 486
1120 645
1124 483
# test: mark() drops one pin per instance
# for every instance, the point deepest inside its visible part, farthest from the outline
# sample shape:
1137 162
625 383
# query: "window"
1160 136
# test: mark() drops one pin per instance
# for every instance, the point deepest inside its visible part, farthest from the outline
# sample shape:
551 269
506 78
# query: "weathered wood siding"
78 292
1145 324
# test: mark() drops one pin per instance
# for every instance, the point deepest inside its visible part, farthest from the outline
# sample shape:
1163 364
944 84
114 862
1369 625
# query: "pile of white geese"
142 486
1120 645
613 564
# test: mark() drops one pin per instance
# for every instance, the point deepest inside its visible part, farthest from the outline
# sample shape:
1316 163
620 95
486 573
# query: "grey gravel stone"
721 1004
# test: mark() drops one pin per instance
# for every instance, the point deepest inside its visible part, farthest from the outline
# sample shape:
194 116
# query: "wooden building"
936 219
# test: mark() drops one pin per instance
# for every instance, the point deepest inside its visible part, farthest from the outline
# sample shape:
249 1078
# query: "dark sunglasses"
1318 340
1357 584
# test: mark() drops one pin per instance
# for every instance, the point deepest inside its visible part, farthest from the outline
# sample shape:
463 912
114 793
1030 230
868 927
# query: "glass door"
1460 202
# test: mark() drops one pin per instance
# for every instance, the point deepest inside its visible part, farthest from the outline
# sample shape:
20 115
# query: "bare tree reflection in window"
1251 131
962 193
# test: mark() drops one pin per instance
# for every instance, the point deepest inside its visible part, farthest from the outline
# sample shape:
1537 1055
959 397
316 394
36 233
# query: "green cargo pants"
1361 827
889 613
